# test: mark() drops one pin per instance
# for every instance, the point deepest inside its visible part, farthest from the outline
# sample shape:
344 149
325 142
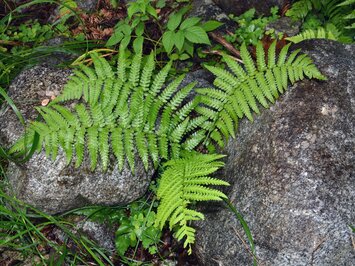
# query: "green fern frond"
347 2
183 181
336 12
320 33
329 8
128 111
300 9
240 90
350 16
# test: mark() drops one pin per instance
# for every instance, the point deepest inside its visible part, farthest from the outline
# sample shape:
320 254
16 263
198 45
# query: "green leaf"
122 243
211 25
126 29
184 56
161 3
115 38
132 9
151 11
126 40
168 41
189 23
189 48
179 40
135 22
174 21
196 34
150 236
140 29
138 44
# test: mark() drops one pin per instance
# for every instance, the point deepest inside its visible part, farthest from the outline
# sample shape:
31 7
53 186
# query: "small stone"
45 102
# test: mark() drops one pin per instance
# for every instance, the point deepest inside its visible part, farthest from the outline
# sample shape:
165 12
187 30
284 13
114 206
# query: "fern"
329 8
321 33
338 13
351 15
183 182
241 89
127 112
300 9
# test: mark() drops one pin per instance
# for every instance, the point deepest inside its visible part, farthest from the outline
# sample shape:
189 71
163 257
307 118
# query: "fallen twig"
221 54
218 38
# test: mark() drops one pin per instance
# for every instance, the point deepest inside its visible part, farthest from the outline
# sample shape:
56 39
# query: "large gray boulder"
52 186
238 7
292 175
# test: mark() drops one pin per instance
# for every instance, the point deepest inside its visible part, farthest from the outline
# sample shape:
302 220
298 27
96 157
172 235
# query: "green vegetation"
333 17
27 232
130 102
184 181
251 28
121 110
124 108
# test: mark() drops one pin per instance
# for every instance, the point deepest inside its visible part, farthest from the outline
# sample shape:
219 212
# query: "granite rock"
52 186
208 10
292 174
238 7
102 233
284 25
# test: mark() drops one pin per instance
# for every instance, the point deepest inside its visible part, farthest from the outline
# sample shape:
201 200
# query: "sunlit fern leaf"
260 60
129 112
271 55
80 146
247 59
117 146
183 181
122 65
240 90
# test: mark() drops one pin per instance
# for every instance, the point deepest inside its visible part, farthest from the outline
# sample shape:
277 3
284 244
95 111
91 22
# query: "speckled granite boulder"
293 175
207 10
238 7
50 185
284 25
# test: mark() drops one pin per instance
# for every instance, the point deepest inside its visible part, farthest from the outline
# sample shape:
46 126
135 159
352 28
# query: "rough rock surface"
284 25
208 10
101 233
87 5
50 185
238 7
293 174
